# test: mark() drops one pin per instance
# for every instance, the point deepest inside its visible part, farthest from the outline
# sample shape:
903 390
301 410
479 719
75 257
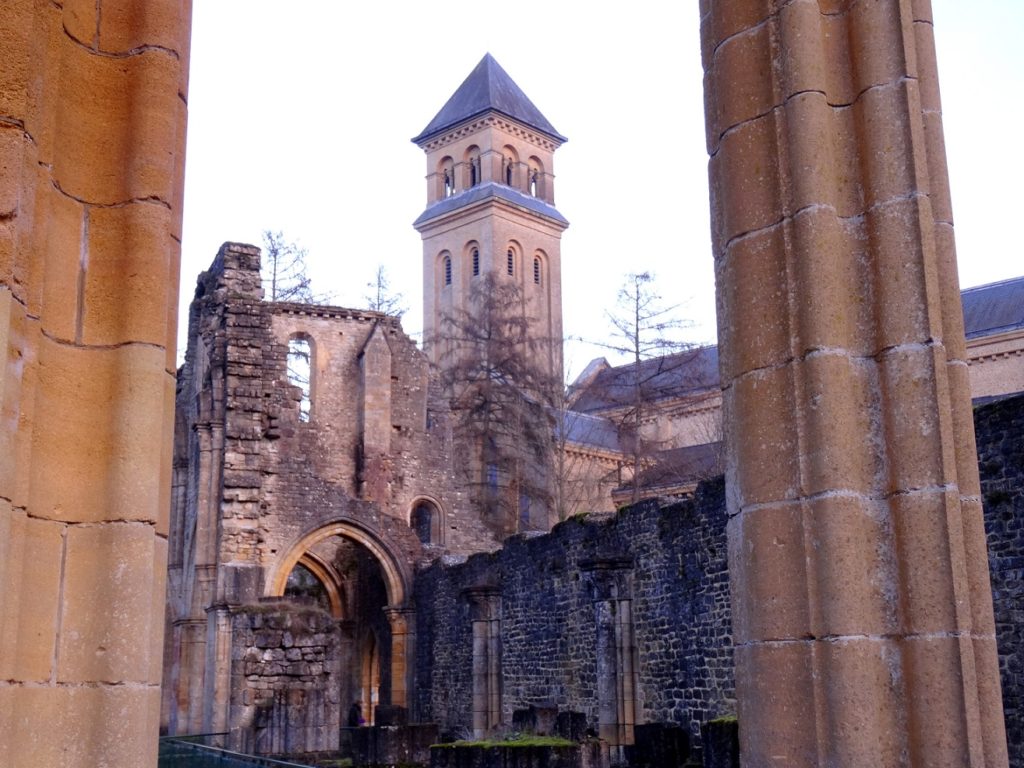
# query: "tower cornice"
489 194
491 119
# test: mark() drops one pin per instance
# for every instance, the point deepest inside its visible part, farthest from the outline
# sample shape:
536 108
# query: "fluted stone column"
861 602
92 137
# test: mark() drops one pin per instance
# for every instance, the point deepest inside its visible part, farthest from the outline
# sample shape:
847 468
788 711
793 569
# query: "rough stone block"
98 438
106 725
118 123
840 441
766 552
920 523
112 566
128 267
753 322
765 446
64 229
30 621
751 193
776 704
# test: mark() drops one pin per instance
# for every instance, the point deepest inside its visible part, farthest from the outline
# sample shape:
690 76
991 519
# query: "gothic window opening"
536 270
426 523
299 373
476 262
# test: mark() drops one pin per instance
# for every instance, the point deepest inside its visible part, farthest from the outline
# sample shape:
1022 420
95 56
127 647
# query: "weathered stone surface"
680 611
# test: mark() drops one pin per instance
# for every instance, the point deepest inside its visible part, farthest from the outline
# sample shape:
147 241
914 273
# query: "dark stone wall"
1000 435
548 633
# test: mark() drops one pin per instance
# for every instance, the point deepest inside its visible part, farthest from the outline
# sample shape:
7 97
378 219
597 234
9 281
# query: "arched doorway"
349 571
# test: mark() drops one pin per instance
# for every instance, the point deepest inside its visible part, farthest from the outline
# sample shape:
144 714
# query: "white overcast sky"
300 116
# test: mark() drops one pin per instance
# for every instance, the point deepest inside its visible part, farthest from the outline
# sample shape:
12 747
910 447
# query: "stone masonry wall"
1000 435
285 693
548 629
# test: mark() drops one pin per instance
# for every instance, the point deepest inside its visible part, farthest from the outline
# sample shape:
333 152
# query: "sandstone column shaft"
92 137
861 603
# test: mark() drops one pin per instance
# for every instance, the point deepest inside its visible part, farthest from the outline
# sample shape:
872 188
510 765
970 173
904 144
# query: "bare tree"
647 331
284 273
492 368
380 298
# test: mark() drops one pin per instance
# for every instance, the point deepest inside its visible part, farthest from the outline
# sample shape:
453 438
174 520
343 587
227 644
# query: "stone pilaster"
403 650
862 610
610 581
485 615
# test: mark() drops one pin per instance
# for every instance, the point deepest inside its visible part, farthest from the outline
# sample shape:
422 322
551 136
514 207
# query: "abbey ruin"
318 528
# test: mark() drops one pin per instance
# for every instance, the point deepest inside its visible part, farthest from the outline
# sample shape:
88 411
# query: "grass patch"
516 740
724 719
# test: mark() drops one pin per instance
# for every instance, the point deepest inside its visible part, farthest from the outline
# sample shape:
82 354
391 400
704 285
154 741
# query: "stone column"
485 615
862 613
403 654
610 582
92 137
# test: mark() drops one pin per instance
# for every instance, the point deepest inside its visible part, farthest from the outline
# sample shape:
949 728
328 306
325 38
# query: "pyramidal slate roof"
487 88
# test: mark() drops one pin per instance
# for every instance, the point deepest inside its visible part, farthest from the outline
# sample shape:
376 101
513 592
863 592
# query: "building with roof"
682 423
994 327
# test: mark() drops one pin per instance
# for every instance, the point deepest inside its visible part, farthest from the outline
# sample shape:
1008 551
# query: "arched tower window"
536 184
299 368
472 166
508 173
510 261
447 270
446 172
476 262
536 270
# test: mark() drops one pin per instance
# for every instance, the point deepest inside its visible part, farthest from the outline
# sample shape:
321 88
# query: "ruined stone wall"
285 695
681 619
1000 431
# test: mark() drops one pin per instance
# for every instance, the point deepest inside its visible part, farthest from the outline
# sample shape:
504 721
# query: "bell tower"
490 212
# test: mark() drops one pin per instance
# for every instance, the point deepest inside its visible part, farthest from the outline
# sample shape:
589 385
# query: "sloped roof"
993 308
487 88
670 376
582 429
681 466
490 189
